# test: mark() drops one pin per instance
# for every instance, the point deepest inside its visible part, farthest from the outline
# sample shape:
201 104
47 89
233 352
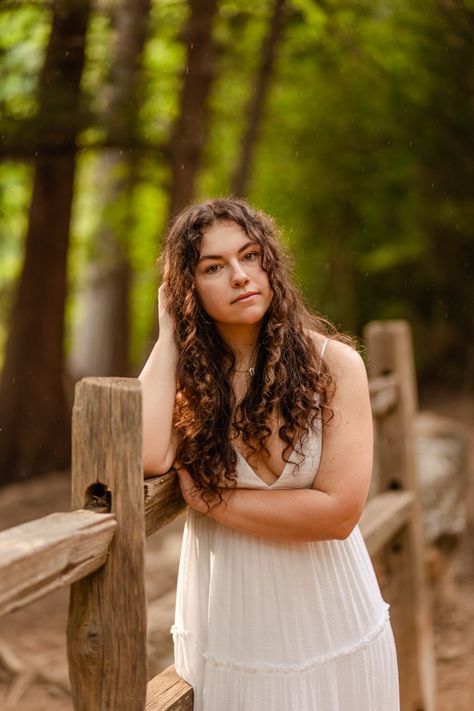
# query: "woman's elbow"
344 531
154 465
150 470
347 524
336 530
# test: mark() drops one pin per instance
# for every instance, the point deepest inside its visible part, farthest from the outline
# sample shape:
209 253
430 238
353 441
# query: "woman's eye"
250 256
213 268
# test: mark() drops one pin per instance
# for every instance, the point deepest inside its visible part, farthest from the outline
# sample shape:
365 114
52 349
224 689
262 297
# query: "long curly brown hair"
289 380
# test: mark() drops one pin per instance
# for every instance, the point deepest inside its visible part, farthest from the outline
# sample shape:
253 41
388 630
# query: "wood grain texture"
40 556
390 352
168 692
383 394
384 516
107 615
163 501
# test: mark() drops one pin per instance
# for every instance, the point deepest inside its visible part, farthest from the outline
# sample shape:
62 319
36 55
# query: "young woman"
267 421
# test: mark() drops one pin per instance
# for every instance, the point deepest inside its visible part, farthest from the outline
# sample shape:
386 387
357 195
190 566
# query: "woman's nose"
239 275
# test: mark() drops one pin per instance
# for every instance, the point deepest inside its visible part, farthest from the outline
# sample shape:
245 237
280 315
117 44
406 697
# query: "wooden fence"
99 547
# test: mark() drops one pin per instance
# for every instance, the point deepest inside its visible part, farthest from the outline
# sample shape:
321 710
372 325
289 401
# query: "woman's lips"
245 297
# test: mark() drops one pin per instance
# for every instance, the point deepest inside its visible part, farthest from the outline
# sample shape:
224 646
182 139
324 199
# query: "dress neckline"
283 471
254 473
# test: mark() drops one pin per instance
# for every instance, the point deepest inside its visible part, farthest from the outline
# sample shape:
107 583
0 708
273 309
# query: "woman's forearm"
285 515
158 379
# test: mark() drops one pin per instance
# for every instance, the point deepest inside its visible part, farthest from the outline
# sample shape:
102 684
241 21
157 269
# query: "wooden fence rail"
40 556
99 547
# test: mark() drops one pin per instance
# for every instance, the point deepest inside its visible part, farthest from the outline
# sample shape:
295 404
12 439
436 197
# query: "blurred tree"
190 129
367 157
443 290
364 152
256 106
101 337
189 132
34 417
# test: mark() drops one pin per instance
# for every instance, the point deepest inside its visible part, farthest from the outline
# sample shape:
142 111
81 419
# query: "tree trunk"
101 332
189 133
101 337
34 416
256 106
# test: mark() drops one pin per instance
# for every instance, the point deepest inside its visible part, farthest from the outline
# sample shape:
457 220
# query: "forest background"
350 121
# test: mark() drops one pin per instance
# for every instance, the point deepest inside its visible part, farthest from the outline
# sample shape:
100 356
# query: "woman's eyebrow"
219 256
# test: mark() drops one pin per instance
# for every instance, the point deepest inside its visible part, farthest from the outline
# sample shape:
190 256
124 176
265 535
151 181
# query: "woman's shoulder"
340 356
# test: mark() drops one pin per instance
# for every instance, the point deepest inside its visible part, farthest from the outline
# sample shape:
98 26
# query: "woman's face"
231 284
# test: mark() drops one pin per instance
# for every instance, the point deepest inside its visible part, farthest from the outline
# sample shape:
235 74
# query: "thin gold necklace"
250 371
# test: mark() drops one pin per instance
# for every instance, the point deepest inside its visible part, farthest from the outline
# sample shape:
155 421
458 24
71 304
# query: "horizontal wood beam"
168 692
163 501
384 516
48 553
383 394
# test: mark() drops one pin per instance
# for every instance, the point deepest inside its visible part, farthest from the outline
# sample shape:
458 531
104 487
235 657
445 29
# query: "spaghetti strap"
321 355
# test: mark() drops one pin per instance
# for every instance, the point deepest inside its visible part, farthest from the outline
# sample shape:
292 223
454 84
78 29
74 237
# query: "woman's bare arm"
332 508
158 379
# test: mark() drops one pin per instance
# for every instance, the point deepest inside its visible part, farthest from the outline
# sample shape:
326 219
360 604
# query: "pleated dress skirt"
265 625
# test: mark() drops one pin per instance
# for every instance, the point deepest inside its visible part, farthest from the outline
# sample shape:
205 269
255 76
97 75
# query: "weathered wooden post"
390 351
107 615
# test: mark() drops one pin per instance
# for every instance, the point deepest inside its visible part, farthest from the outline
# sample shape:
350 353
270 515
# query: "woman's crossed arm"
332 508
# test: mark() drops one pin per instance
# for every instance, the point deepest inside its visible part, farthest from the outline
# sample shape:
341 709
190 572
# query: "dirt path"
34 638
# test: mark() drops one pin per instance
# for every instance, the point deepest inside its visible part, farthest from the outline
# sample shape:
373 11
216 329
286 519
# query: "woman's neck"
243 342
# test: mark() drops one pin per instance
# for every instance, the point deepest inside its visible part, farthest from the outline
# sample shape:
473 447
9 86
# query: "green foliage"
149 214
22 43
163 68
239 32
15 181
365 155
347 162
99 44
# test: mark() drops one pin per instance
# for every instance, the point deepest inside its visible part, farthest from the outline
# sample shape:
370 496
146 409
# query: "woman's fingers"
191 493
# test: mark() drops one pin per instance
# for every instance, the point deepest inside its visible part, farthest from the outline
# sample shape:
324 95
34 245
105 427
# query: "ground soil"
33 668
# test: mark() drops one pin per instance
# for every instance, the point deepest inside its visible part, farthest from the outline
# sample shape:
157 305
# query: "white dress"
265 625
